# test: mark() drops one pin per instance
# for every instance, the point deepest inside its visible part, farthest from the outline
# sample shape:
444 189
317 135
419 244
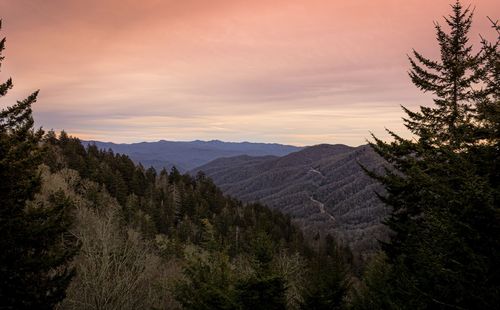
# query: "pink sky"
288 71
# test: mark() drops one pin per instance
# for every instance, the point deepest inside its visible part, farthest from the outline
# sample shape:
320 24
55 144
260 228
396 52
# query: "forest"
86 228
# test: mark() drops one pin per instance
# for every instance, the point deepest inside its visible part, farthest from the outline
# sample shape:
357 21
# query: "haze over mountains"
189 155
323 187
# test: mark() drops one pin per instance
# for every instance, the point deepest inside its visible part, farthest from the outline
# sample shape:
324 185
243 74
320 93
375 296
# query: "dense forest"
84 228
141 239
322 187
230 255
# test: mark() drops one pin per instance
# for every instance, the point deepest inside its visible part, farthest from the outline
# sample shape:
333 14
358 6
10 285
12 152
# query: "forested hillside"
165 240
323 188
166 221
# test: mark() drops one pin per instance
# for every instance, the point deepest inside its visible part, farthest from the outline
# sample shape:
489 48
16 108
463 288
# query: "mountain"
322 187
170 241
188 155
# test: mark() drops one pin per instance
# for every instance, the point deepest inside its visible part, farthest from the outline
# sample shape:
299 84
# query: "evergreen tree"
444 251
264 289
261 293
451 79
34 248
209 281
328 284
488 111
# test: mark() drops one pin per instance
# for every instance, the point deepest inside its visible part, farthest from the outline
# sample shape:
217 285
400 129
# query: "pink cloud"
200 63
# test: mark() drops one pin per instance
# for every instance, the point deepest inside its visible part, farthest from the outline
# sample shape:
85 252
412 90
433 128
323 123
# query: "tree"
34 246
451 80
328 284
265 289
488 110
209 281
442 185
115 268
262 292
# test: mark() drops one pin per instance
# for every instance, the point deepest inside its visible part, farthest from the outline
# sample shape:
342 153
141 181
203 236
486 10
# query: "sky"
298 72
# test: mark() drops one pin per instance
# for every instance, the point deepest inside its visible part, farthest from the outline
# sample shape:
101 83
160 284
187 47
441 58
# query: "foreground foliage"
444 185
35 244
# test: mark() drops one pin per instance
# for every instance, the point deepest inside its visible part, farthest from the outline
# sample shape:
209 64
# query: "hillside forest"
87 228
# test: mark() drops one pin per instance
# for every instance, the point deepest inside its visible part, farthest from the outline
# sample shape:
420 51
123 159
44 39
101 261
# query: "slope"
322 187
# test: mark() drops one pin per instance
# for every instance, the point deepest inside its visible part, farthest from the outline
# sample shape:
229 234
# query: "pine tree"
208 282
328 284
451 80
34 249
444 251
265 289
488 110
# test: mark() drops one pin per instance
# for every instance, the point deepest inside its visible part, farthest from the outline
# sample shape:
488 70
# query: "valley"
322 187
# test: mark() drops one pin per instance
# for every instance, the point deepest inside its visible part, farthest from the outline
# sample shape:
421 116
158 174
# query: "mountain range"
188 155
322 187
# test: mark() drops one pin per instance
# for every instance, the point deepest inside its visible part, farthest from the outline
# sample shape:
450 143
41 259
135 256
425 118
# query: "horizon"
217 140
189 141
285 72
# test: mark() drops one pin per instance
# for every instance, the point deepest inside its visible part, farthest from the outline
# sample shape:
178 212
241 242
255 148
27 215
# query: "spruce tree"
444 250
265 289
34 247
328 283
488 111
451 79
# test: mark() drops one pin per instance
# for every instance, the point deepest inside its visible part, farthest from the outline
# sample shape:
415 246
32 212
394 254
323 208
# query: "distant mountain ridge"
186 155
323 187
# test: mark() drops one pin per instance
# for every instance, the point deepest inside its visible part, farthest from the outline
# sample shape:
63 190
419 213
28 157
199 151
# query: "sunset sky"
287 71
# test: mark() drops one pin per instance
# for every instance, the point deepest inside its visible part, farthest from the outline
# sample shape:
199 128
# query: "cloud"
277 71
